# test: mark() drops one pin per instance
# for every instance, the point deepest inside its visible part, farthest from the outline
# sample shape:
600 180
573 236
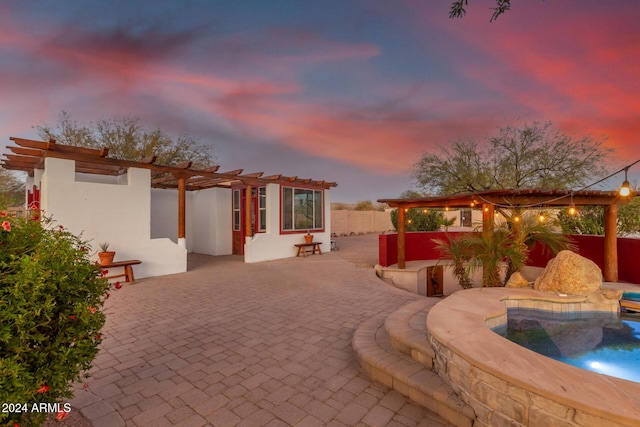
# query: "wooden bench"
128 269
302 248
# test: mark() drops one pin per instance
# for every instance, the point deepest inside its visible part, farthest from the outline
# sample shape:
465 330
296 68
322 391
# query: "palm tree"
458 251
530 231
509 243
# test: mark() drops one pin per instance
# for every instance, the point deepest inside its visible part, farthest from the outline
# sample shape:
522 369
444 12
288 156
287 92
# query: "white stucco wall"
164 214
273 245
117 212
208 219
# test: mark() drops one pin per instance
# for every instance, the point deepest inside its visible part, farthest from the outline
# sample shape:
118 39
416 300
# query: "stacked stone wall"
500 402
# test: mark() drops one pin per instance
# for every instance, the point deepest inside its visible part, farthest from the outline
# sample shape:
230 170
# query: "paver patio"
230 343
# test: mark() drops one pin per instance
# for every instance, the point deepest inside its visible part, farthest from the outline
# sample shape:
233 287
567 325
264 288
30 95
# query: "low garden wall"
420 246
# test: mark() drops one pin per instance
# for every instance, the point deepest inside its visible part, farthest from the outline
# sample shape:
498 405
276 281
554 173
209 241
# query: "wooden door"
237 220
435 281
239 215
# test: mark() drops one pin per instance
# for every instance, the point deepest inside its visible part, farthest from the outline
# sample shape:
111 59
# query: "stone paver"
230 343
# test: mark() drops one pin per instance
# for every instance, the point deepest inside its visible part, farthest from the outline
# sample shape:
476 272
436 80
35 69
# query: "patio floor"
228 343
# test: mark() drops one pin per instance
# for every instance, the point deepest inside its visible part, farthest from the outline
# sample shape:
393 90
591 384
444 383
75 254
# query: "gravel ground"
75 419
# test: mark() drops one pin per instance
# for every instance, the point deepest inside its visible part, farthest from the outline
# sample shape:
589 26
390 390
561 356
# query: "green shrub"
51 296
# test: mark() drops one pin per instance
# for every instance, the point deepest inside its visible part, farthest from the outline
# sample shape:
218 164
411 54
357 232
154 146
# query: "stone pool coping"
502 380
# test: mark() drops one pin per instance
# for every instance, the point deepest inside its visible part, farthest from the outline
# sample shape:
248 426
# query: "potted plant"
105 255
308 238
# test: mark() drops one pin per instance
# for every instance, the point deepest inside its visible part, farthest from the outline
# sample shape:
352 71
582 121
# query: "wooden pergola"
522 199
29 155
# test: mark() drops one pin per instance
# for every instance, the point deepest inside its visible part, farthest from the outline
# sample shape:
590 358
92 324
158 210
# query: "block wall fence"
420 246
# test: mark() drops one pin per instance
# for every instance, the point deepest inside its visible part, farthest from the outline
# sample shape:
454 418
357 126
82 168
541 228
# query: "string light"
625 190
572 207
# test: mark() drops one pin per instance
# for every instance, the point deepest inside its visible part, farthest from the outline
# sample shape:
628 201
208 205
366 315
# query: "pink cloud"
579 69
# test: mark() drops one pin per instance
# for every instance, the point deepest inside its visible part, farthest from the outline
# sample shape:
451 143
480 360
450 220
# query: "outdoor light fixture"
572 207
541 217
625 190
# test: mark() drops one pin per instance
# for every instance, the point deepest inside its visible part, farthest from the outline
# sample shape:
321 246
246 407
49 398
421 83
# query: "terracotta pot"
106 258
308 238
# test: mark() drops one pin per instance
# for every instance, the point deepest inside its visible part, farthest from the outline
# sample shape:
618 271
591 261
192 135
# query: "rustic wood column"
248 232
181 208
488 219
610 272
401 238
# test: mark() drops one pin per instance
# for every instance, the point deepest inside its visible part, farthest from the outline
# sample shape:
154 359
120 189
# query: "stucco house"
158 214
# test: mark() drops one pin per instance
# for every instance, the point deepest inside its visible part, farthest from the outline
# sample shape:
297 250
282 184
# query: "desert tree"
128 139
533 155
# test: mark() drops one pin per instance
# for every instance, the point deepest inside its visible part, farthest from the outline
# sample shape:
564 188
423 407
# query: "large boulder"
570 273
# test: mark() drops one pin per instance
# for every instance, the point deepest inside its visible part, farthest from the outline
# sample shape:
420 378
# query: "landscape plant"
508 247
51 296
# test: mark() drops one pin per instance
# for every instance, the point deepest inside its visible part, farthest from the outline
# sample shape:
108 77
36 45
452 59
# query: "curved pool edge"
507 383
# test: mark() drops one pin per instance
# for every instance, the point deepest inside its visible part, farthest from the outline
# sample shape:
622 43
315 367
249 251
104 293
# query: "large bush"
50 319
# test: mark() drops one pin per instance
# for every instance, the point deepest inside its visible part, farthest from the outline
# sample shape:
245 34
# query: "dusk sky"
346 91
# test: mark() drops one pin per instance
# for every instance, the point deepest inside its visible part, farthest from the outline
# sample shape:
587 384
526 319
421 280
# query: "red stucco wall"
420 246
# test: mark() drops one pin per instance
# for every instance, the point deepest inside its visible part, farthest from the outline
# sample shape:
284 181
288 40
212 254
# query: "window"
302 209
262 208
236 210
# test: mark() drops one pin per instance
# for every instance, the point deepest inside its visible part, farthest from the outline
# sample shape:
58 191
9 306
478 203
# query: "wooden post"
248 232
181 208
488 219
610 272
401 238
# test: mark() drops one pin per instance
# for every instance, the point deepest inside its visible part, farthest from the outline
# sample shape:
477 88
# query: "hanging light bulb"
446 208
625 190
541 217
409 221
516 218
572 207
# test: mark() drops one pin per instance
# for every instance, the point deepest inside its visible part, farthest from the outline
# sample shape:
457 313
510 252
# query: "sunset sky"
346 90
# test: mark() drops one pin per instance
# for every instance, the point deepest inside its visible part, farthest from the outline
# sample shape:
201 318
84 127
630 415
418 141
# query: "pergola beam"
521 200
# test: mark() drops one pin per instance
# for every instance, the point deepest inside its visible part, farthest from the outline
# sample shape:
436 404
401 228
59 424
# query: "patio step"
407 331
377 356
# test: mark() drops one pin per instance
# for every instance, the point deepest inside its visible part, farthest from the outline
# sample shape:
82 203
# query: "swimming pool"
607 343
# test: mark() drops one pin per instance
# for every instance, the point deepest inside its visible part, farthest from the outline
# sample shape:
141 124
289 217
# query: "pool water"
607 343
